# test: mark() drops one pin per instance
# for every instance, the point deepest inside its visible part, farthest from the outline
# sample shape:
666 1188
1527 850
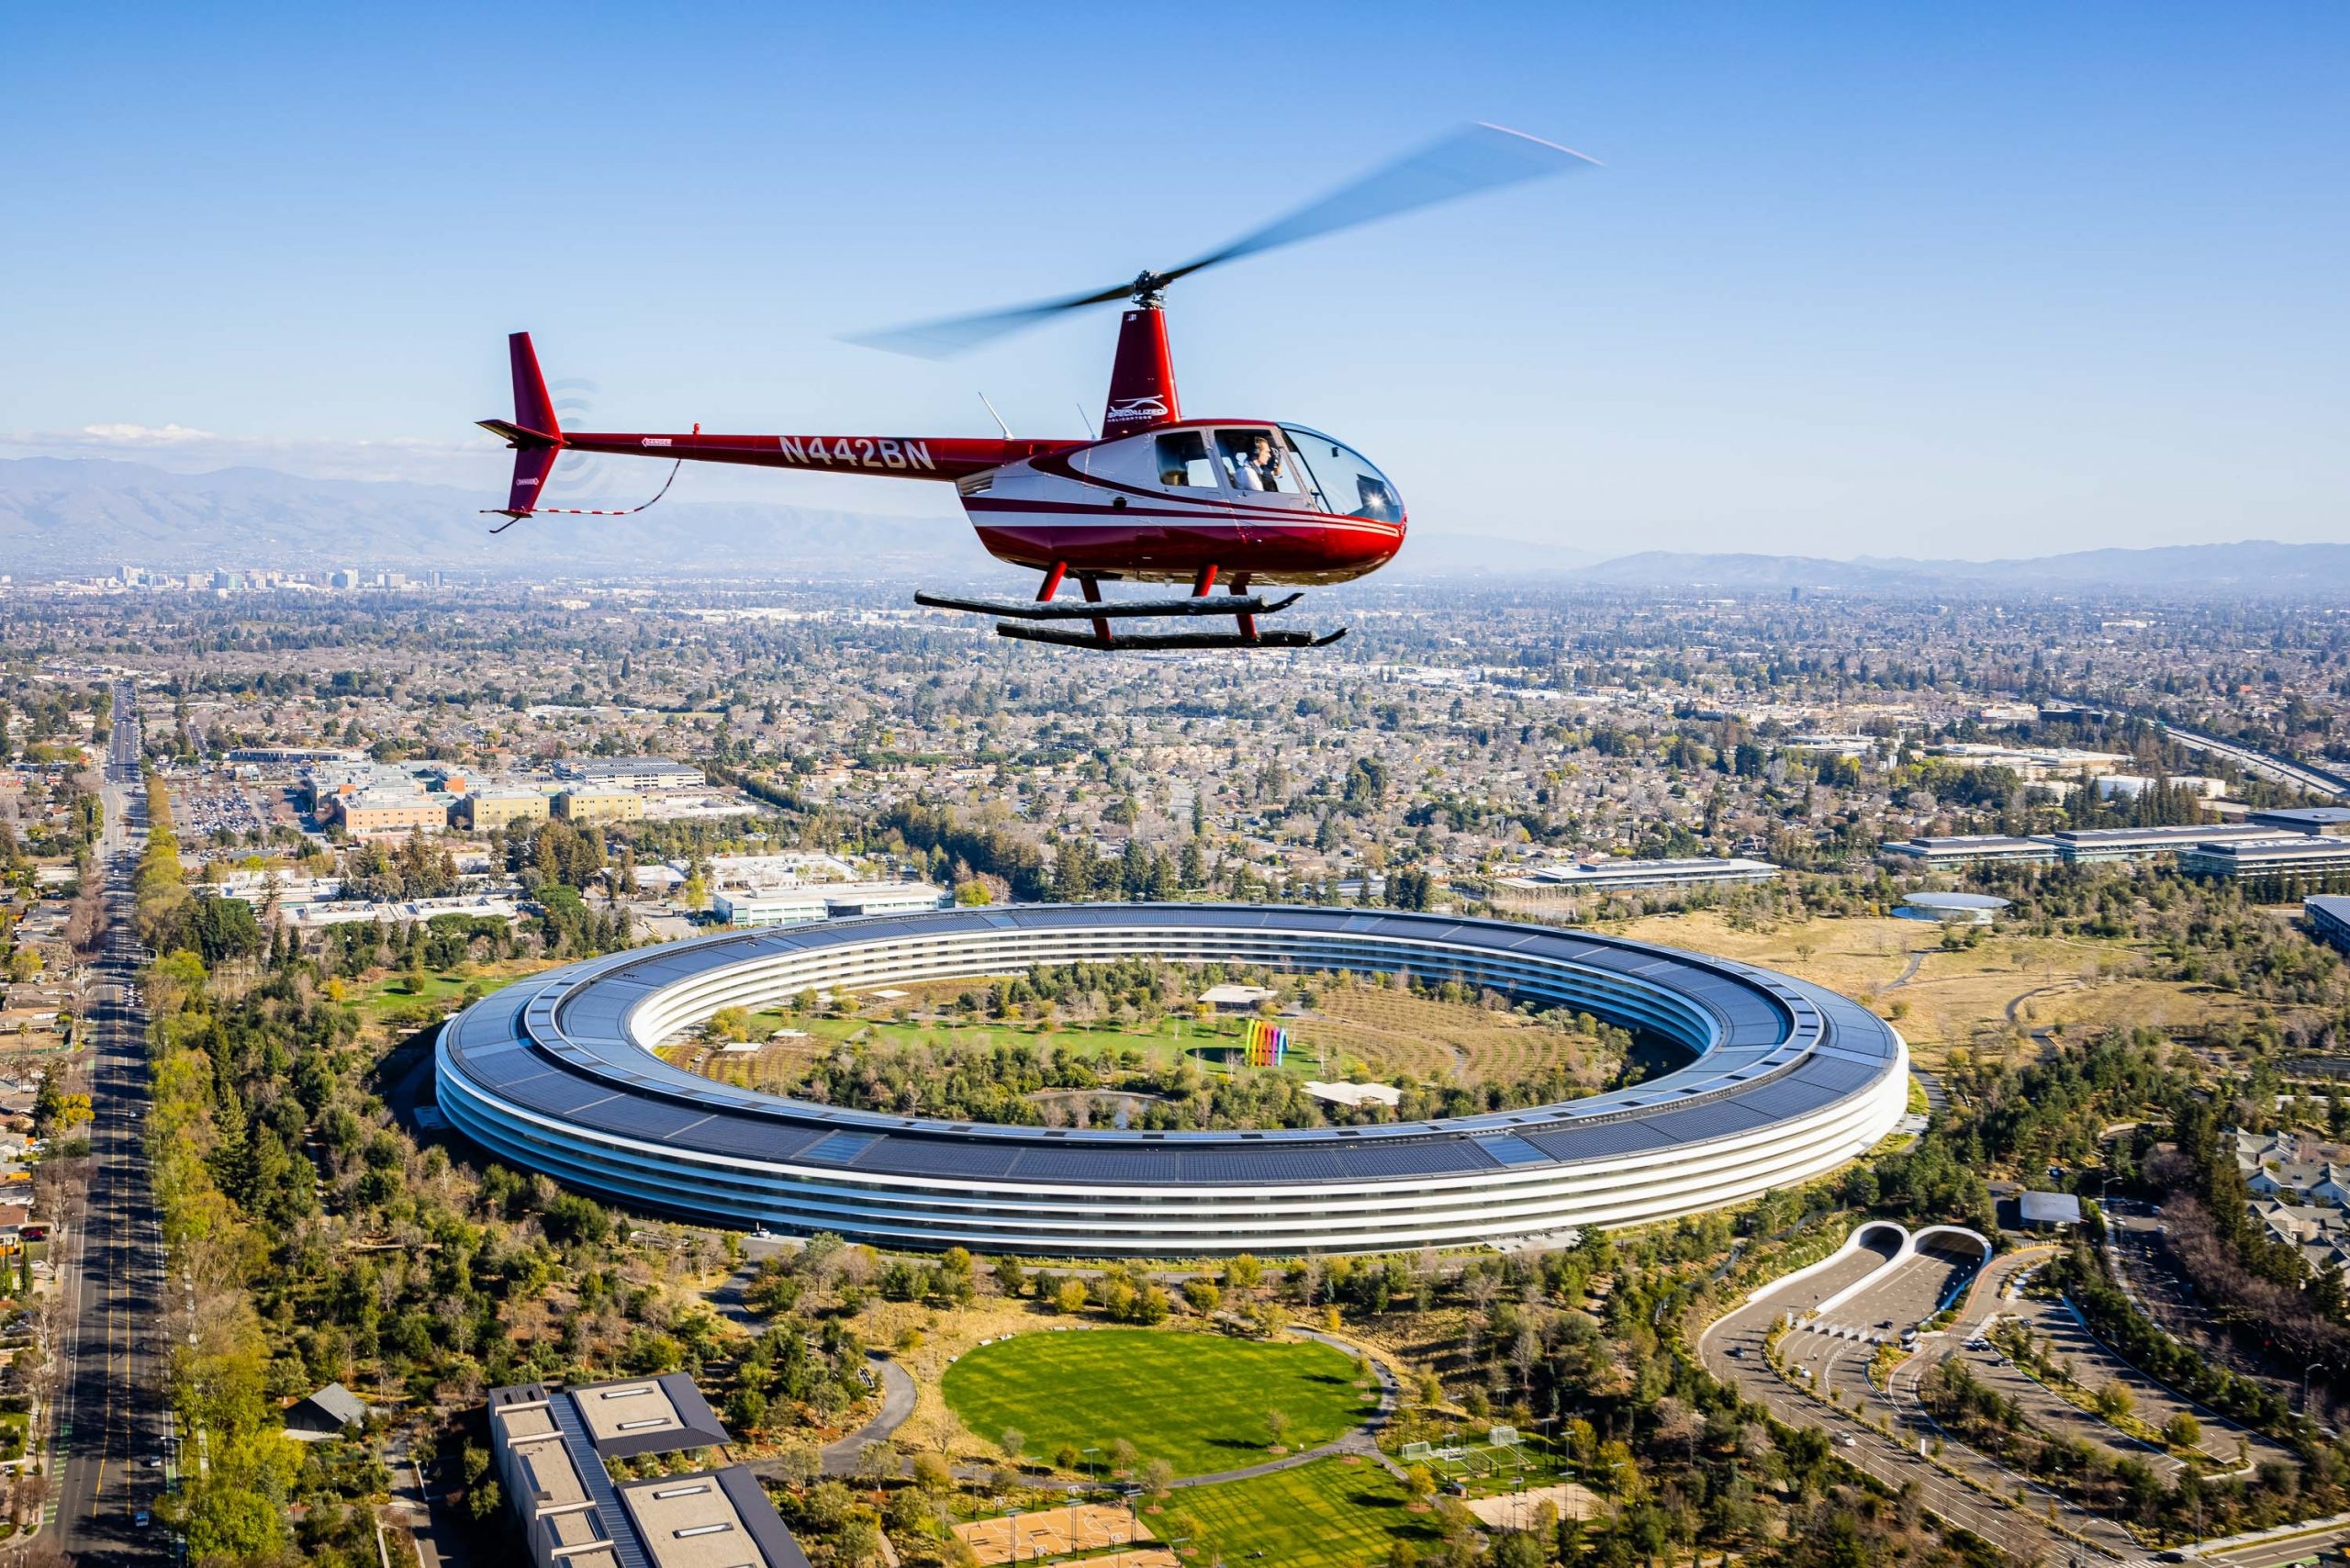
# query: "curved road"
1733 1349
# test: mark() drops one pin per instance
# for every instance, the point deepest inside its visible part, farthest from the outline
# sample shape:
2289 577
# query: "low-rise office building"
631 772
1612 875
2332 822
593 806
2328 917
2284 862
834 900
372 813
2130 786
485 810
551 1446
1974 850
2093 845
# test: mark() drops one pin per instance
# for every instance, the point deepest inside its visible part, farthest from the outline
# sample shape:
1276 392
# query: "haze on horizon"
1854 281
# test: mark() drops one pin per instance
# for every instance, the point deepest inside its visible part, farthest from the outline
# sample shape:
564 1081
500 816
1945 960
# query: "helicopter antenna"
996 417
1089 422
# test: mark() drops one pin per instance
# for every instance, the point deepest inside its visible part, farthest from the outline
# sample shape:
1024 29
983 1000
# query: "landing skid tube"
1150 642
1111 608
1239 603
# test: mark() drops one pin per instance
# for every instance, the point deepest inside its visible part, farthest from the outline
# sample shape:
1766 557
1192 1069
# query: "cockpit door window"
1258 461
1184 463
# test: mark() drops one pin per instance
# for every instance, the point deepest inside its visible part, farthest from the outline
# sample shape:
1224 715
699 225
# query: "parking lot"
199 813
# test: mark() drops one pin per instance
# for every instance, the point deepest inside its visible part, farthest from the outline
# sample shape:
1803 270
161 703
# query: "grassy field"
1330 1514
1355 1031
1195 1400
379 999
1389 1031
1944 1000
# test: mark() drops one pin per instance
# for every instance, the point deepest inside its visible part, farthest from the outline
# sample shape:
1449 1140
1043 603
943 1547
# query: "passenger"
1259 464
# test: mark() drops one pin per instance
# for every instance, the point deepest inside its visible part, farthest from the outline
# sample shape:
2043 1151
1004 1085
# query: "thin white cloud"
186 449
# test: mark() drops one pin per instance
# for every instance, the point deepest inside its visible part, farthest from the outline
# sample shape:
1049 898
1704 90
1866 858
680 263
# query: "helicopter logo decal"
1132 409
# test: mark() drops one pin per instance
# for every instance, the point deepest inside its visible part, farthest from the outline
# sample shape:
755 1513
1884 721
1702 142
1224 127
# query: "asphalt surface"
1733 1349
111 1411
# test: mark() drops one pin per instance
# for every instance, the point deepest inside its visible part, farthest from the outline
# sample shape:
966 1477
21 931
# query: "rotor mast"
1142 376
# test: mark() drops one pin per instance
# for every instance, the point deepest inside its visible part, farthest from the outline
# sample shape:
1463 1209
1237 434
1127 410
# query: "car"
1846 1439
142 1520
154 1461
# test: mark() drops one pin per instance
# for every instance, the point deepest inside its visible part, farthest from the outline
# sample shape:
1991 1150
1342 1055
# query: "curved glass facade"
556 1074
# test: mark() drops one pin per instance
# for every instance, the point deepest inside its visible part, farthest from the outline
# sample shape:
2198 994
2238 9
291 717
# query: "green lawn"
1329 1514
1197 1401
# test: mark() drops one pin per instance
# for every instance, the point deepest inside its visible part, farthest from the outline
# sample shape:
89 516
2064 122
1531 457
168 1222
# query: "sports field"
1198 1401
1329 1514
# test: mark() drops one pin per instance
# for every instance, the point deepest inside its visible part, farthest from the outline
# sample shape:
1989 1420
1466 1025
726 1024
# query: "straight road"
110 1416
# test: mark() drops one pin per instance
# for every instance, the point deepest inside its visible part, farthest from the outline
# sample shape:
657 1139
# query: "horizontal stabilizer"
1109 608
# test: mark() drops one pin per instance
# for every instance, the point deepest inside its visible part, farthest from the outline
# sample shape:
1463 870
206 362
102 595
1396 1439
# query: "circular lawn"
1200 1402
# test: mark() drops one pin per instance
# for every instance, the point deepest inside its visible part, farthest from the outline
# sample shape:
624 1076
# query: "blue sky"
1855 279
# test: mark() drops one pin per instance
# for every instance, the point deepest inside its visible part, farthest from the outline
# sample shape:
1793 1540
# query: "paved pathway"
1937 1097
897 1403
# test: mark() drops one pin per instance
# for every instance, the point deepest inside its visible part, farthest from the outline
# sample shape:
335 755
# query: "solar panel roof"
1764 1026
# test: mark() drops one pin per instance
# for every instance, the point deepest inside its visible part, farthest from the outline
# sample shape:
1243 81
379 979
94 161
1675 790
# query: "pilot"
1258 466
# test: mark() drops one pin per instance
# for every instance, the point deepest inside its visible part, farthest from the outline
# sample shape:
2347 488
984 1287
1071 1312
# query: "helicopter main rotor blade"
1473 158
955 335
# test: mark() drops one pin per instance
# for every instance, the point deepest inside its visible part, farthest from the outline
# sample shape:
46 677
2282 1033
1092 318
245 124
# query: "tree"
1158 1475
1012 1441
2114 1401
1070 1297
1276 1426
1419 1482
2183 1431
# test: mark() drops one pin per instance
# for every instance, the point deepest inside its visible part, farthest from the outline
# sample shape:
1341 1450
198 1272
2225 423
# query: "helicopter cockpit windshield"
1344 479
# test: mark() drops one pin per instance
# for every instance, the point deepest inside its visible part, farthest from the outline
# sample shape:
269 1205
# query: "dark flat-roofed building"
1974 850
2333 822
2092 845
550 1445
2289 861
2328 916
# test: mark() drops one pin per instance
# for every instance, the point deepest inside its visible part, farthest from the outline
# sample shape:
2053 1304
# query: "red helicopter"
1157 498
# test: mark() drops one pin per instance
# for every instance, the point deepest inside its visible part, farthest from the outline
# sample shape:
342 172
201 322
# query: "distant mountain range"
85 517
2251 566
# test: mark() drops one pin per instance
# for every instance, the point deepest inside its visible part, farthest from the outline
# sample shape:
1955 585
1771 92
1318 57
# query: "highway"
111 1425
2284 770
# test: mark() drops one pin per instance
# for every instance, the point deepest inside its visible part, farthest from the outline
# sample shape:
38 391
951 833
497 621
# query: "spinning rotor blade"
1476 158
1472 159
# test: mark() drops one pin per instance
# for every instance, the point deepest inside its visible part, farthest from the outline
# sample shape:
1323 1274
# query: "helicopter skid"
1110 609
1154 641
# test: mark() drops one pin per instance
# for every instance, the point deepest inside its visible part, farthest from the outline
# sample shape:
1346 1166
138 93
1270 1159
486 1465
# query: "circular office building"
557 1073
